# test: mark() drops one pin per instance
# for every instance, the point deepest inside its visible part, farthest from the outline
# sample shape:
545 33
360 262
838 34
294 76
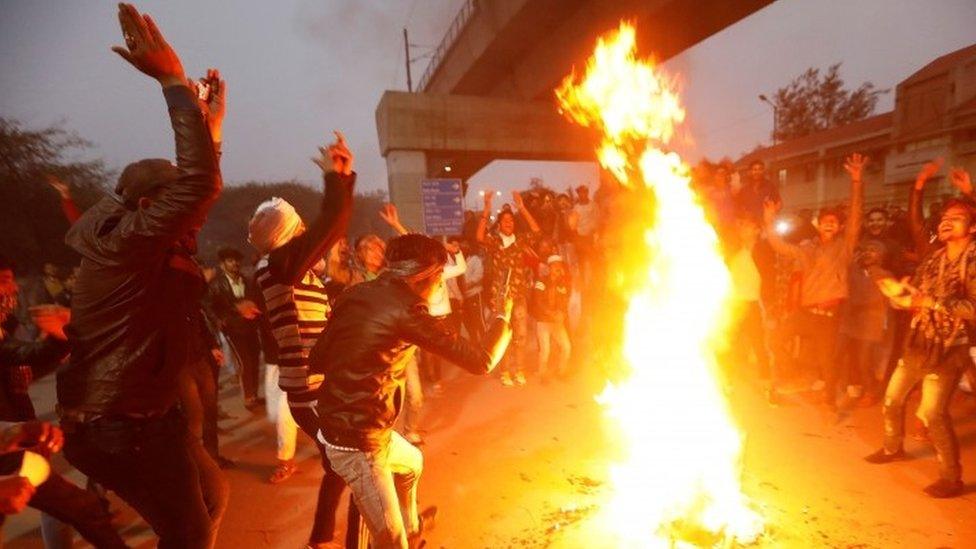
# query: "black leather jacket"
137 292
363 353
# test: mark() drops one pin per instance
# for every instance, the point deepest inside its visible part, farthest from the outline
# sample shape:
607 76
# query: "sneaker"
520 379
283 472
881 456
943 488
507 379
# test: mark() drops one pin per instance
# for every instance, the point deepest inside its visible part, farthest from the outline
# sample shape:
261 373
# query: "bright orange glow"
678 478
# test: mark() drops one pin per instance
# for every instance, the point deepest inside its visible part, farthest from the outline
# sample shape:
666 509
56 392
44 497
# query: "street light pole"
764 99
406 48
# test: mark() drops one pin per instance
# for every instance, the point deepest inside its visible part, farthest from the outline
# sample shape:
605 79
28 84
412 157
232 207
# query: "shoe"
225 463
506 379
520 379
283 472
943 488
881 457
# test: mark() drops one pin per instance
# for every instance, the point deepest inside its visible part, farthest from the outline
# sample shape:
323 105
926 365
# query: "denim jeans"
384 487
159 468
938 385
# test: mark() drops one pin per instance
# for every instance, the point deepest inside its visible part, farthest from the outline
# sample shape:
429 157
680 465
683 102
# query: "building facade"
934 116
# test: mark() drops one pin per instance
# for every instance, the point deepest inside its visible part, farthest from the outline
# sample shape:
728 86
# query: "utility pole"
406 58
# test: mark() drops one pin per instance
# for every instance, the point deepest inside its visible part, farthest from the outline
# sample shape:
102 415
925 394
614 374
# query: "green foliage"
32 225
817 100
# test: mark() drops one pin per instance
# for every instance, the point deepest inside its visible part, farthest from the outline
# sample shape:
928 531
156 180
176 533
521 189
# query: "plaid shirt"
952 284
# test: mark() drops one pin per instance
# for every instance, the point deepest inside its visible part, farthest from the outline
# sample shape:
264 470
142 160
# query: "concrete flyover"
487 93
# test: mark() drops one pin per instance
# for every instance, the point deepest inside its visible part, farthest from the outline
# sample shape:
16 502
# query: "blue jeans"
938 385
384 487
159 468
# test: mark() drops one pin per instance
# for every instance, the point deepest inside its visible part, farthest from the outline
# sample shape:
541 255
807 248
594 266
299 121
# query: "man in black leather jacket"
375 328
132 314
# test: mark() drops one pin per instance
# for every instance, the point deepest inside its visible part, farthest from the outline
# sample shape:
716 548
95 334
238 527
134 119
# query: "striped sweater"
297 315
295 301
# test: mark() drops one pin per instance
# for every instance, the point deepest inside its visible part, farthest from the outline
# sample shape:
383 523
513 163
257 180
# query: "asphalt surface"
527 467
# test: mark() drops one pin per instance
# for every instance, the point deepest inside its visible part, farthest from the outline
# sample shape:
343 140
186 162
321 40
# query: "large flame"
678 481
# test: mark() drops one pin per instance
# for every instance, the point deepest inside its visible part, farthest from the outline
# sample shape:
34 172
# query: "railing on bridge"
468 9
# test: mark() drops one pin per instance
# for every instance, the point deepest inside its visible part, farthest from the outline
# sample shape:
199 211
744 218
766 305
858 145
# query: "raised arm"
391 216
68 206
481 233
525 213
854 165
780 246
180 204
916 219
438 336
290 262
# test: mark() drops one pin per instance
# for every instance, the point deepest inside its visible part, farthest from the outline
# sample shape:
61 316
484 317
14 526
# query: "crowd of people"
852 308
353 331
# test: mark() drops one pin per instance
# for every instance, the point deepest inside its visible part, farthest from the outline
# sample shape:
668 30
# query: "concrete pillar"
406 169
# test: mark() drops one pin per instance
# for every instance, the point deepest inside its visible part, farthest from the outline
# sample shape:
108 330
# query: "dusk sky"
298 68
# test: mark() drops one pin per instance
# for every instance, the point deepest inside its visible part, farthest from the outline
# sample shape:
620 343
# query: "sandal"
283 472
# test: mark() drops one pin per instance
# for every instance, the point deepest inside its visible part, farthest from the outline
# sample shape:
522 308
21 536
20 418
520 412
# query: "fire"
678 480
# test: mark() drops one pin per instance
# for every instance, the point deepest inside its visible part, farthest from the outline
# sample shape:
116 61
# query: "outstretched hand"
336 157
60 186
517 200
771 209
927 171
854 165
212 93
146 49
390 215
960 180
488 197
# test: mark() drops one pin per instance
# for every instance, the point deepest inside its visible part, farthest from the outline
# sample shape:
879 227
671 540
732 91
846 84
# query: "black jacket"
223 304
137 291
363 353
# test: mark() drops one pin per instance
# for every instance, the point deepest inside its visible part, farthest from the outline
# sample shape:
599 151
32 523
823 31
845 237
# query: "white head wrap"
273 224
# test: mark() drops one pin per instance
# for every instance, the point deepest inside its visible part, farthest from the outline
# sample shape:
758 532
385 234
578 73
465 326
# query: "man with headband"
375 328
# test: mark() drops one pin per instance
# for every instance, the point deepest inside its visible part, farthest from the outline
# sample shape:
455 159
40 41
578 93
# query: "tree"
227 221
32 226
817 100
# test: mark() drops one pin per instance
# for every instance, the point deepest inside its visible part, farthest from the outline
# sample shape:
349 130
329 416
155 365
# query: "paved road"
526 468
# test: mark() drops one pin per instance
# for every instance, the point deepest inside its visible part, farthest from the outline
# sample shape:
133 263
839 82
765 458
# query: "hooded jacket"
138 290
375 328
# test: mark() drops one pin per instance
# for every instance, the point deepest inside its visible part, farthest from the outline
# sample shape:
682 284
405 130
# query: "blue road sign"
443 206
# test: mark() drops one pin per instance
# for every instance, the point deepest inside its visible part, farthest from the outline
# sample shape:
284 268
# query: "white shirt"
440 301
236 287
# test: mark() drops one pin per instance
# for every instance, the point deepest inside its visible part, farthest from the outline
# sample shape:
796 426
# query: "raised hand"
389 214
927 171
212 93
771 209
960 180
146 49
488 197
517 200
60 186
336 157
854 165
